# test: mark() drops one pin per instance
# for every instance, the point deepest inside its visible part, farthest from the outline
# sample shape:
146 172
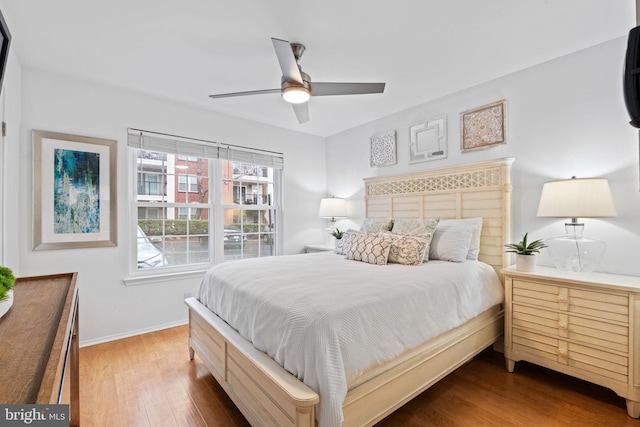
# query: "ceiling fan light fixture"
296 94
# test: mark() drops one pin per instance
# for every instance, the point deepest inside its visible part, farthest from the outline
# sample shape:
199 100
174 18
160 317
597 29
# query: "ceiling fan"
296 86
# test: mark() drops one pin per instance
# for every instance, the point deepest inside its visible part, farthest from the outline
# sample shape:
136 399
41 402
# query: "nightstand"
581 324
322 247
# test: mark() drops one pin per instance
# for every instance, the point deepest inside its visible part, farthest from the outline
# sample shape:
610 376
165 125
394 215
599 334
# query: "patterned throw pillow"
374 225
409 250
415 226
424 227
345 241
370 248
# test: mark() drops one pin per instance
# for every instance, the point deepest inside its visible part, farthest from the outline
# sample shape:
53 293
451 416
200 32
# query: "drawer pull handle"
562 352
562 325
562 298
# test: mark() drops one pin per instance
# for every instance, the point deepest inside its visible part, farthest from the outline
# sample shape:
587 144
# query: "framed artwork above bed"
484 126
383 149
428 140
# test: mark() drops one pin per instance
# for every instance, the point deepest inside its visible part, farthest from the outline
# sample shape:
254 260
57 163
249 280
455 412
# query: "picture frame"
383 149
428 140
483 127
74 191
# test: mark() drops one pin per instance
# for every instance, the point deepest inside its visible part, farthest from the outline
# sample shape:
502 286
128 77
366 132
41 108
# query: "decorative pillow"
424 227
451 243
474 247
374 225
408 250
345 241
371 248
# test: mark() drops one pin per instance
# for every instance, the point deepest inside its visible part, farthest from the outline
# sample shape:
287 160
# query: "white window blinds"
151 141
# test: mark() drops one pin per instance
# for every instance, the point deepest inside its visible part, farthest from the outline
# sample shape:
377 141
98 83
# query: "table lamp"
333 208
576 198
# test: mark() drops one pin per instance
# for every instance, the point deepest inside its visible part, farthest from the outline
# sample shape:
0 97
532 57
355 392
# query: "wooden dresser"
39 343
582 324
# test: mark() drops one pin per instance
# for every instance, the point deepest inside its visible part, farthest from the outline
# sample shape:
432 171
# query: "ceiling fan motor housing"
306 82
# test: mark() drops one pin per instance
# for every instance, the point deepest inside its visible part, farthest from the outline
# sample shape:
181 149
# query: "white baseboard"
115 337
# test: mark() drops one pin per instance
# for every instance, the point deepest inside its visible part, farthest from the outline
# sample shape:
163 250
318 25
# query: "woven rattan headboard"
474 190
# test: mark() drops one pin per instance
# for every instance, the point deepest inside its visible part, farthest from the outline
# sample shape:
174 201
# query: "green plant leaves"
524 248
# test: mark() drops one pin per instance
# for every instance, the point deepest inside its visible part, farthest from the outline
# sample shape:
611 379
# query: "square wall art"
383 149
483 127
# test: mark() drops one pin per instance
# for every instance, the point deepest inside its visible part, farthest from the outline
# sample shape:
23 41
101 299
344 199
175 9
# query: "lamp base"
575 253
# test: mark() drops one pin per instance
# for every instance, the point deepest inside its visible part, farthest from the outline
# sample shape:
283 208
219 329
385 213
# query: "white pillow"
451 243
476 230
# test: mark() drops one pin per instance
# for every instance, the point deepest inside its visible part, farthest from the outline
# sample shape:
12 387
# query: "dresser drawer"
605 364
597 305
593 332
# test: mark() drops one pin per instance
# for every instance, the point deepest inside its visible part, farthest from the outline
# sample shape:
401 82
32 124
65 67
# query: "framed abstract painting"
74 191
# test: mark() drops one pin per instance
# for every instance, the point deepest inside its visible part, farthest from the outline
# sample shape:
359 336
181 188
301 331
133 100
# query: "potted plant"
7 279
337 233
525 252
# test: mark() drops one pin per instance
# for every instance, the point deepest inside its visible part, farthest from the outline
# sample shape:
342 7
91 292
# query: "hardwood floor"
148 380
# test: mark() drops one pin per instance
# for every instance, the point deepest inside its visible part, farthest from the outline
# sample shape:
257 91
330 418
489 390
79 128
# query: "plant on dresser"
525 252
7 280
586 325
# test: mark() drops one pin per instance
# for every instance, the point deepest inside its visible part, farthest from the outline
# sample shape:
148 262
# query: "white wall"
565 117
110 309
11 164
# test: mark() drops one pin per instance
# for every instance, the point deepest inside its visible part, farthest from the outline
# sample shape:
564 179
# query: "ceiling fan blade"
326 89
302 112
251 92
287 60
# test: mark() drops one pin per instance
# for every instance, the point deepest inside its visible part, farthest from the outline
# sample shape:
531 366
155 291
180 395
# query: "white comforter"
325 318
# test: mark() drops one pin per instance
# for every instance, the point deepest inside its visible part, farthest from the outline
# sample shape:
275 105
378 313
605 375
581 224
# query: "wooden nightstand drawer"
607 364
593 332
607 306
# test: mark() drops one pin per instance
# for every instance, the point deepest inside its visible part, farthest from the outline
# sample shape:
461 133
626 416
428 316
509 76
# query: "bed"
269 395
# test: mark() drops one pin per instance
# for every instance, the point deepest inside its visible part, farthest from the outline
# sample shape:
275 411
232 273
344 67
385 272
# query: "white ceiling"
184 50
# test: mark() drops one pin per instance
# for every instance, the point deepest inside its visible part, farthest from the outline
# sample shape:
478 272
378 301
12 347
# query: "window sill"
167 277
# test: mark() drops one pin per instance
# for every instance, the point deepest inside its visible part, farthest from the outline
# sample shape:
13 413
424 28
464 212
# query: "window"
188 183
249 212
194 210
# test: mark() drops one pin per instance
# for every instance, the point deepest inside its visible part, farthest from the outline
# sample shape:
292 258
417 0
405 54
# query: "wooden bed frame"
268 395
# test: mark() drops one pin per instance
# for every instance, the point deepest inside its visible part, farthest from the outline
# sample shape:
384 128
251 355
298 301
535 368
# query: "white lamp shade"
332 208
576 198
